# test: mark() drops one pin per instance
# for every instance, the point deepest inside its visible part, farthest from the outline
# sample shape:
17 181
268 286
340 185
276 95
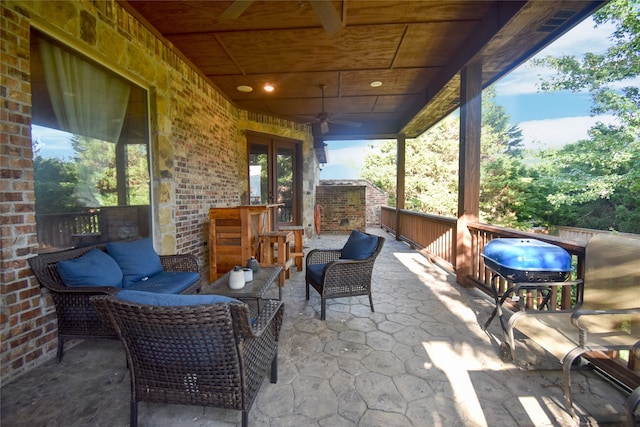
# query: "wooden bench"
607 317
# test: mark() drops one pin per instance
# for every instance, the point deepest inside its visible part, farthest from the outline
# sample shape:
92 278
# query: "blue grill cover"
527 260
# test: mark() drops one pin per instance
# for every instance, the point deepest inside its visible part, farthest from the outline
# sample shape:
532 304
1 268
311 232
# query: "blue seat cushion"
315 272
166 282
359 246
170 300
94 268
137 260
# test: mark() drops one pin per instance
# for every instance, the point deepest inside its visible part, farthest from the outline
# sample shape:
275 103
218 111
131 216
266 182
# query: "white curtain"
86 99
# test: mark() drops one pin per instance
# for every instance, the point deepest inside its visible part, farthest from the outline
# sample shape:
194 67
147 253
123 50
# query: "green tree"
598 179
54 185
431 170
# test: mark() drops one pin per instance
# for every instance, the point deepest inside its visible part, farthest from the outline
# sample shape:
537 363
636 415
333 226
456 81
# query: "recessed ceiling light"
244 88
268 87
376 83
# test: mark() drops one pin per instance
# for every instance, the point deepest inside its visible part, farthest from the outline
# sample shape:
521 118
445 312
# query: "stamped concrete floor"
421 359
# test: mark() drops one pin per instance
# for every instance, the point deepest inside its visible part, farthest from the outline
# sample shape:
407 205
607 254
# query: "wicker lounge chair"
207 354
345 272
76 317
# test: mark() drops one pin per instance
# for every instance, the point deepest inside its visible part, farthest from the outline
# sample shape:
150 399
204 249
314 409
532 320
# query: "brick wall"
198 153
375 197
343 208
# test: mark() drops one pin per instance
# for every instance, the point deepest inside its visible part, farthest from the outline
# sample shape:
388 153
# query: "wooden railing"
60 229
433 235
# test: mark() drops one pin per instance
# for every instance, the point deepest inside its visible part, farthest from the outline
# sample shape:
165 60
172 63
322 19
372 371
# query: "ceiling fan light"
324 126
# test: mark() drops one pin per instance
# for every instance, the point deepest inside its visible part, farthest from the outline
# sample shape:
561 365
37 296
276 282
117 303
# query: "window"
91 150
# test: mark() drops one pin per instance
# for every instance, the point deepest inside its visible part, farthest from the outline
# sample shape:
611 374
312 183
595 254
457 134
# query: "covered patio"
421 359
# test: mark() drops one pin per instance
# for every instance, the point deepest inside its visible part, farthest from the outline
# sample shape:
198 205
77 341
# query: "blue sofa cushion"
166 282
94 268
315 272
138 260
359 246
170 300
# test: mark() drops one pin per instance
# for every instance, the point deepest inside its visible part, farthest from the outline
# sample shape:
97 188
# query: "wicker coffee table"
262 281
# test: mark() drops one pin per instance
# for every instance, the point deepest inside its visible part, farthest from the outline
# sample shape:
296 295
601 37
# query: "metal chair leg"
567 362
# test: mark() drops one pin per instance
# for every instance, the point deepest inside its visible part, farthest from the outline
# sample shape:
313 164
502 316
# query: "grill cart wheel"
505 352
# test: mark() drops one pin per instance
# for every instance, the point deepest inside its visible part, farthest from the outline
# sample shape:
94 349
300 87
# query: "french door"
274 176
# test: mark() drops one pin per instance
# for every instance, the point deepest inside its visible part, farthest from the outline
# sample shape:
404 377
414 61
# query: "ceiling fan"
323 118
328 16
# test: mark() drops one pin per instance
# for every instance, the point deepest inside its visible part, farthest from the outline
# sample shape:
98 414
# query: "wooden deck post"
400 175
469 166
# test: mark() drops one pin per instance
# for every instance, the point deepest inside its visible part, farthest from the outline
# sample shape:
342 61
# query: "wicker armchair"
333 276
206 355
76 316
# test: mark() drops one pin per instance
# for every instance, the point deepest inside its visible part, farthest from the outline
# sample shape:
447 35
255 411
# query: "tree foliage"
431 164
89 178
592 183
598 179
54 185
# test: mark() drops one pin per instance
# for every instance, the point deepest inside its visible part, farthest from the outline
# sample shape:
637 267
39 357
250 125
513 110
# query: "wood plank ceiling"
414 48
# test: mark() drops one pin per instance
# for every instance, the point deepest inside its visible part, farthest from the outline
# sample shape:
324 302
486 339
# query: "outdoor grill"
527 260
528 264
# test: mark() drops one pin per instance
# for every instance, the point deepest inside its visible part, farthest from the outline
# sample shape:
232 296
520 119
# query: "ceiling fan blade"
327 14
236 9
324 126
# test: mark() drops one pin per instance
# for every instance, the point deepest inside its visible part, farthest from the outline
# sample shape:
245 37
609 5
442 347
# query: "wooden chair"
337 273
208 354
608 316
297 252
275 248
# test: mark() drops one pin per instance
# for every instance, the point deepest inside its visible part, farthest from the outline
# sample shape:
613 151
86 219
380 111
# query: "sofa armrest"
187 262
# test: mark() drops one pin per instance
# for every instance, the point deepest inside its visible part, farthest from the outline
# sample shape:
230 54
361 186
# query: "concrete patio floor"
421 359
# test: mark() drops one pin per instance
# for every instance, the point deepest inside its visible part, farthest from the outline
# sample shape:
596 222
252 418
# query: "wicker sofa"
77 318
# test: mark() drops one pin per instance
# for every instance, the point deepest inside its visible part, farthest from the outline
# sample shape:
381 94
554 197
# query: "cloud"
52 142
554 133
579 40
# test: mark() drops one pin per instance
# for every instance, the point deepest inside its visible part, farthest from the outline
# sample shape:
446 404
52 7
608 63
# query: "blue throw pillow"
359 246
138 260
170 300
95 268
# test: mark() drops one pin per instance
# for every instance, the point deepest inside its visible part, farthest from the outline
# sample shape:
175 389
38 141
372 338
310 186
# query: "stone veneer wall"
198 153
343 208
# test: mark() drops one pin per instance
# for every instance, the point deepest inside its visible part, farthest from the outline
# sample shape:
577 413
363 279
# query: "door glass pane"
258 174
284 185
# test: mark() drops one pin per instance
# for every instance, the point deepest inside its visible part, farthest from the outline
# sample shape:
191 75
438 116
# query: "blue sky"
546 120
